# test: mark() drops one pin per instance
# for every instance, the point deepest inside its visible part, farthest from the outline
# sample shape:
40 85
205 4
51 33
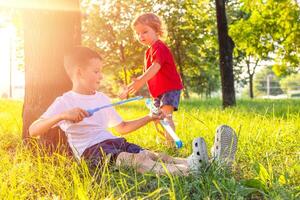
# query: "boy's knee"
150 155
142 156
123 159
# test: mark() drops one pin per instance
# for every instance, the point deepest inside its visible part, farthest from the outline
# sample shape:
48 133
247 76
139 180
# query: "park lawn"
267 162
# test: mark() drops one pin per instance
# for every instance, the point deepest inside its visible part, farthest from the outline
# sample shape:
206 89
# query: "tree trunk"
226 46
123 61
251 75
251 94
48 34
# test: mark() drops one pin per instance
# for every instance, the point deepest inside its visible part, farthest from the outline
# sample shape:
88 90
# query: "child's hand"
135 86
124 93
74 115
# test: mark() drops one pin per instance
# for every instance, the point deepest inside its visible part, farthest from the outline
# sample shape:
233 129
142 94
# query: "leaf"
254 183
263 174
282 180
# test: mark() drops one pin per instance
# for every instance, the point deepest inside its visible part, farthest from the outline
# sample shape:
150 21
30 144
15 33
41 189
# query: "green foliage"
265 31
266 162
270 26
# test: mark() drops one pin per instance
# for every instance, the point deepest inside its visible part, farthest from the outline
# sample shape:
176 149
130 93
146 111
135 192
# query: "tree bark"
226 46
251 93
124 66
251 75
48 34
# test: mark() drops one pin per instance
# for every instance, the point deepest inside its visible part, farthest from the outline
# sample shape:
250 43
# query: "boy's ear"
77 71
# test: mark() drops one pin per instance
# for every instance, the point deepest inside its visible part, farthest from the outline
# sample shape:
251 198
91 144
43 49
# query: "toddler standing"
159 73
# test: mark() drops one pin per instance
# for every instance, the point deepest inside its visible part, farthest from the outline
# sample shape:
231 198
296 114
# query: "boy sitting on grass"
89 138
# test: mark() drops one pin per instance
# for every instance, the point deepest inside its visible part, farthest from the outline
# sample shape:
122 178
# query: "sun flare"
11 77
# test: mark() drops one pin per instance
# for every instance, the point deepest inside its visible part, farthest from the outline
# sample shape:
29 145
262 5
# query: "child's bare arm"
41 126
129 126
138 83
150 72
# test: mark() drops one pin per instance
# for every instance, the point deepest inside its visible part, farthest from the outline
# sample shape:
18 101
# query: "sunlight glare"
42 5
11 78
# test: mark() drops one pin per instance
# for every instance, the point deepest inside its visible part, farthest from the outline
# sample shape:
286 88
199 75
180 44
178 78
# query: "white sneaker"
225 145
199 157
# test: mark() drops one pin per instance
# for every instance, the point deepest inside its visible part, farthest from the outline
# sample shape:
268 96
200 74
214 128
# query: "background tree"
226 46
282 19
250 48
48 33
266 30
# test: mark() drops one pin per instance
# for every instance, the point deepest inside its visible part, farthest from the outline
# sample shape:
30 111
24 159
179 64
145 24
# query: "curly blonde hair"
151 20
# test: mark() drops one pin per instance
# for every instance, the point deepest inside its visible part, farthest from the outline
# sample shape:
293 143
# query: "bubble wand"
92 111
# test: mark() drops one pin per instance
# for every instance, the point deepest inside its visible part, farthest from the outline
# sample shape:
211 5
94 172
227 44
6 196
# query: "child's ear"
77 71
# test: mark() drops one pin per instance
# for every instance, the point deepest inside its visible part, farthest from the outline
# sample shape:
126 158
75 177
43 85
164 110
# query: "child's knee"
167 109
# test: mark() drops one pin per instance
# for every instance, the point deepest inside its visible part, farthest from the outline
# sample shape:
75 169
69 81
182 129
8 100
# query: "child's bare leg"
174 160
144 163
166 158
168 112
159 128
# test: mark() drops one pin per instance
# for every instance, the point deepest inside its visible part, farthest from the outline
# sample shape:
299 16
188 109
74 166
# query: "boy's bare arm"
129 126
41 126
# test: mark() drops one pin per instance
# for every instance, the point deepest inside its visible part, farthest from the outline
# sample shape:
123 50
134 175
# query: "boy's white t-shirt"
91 130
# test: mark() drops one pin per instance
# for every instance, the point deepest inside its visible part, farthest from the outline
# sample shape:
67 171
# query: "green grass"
267 162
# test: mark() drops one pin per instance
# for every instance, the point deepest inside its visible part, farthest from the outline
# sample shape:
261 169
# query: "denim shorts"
169 98
94 155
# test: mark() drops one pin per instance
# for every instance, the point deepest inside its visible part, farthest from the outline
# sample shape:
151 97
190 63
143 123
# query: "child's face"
90 76
146 35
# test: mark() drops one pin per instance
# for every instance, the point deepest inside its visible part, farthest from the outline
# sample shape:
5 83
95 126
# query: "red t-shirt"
167 78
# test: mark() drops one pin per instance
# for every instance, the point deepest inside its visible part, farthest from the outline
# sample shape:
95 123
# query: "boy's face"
146 35
90 76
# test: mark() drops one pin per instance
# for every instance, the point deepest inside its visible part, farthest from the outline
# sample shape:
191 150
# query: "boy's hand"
74 115
157 117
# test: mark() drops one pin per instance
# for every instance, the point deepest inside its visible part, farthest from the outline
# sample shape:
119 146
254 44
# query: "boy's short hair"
79 56
151 20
